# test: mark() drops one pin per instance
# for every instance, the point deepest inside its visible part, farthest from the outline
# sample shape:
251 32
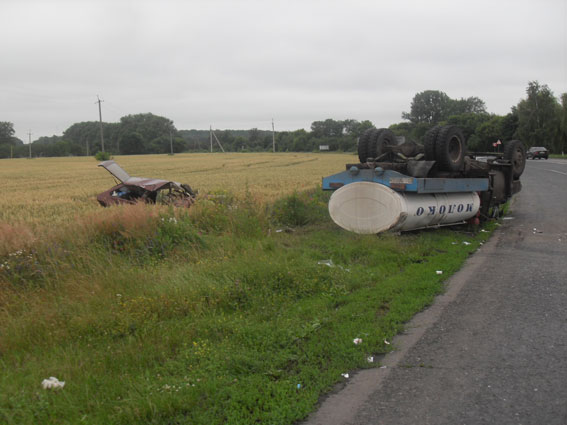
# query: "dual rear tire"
371 143
447 146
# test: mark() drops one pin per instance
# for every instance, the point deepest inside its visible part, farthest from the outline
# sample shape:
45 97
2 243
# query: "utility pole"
211 137
100 120
219 143
29 139
170 141
273 137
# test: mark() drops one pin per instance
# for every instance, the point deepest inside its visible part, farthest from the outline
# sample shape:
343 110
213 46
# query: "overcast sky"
236 64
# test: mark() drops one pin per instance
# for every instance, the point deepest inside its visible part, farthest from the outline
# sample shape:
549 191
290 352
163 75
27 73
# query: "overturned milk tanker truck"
403 185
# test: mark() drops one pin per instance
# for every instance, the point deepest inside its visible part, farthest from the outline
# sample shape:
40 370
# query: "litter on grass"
52 383
370 359
439 272
357 341
329 263
345 375
286 230
386 342
466 243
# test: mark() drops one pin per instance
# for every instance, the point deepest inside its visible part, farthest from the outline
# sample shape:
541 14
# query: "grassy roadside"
232 313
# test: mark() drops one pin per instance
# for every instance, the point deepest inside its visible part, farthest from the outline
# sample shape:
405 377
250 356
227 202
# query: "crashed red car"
138 189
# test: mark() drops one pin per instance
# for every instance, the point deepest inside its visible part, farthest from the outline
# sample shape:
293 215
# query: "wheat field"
54 191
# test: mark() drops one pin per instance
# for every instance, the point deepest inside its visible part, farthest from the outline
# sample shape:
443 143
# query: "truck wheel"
515 152
450 148
383 137
364 142
429 143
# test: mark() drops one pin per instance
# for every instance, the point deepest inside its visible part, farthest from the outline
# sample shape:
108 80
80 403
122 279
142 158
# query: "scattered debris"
370 359
383 367
345 375
329 263
508 218
298 386
137 189
52 383
386 342
466 243
285 229
357 341
439 272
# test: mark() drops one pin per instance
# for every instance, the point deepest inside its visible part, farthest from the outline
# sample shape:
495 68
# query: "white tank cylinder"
367 208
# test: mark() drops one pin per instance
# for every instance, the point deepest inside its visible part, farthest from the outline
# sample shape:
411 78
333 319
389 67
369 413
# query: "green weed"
208 316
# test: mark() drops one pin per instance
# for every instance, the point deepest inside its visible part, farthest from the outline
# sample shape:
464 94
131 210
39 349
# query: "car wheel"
515 152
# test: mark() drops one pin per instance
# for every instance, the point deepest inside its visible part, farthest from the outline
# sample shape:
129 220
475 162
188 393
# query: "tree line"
538 120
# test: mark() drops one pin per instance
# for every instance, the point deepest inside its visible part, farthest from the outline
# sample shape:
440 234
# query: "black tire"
450 148
429 143
383 137
515 152
364 142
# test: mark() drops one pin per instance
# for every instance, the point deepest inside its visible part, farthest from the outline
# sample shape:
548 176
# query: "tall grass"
234 311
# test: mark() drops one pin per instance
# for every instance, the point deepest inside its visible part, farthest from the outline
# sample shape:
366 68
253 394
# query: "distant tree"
539 117
132 143
487 133
470 105
6 132
79 134
253 135
510 125
146 128
563 124
469 123
356 128
327 128
429 107
403 129
226 138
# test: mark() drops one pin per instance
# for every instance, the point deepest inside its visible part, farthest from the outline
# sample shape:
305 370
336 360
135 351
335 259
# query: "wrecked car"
131 190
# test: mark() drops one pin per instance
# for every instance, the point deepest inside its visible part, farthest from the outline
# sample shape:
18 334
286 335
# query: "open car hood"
117 171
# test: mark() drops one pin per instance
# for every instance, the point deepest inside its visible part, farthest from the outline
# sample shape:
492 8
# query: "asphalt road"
493 348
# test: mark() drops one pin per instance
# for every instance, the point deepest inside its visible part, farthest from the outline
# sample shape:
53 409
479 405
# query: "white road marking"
558 172
556 161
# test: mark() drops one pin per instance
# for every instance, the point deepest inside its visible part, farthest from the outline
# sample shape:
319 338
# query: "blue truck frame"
403 183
